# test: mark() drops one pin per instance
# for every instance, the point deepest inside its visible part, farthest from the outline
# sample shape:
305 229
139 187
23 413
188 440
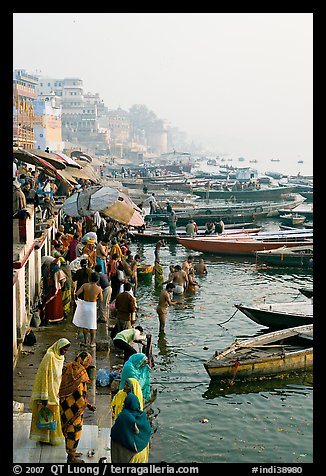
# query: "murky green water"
268 422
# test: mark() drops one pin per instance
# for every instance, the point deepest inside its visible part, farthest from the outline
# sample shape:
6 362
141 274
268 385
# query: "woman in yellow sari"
45 393
131 385
73 402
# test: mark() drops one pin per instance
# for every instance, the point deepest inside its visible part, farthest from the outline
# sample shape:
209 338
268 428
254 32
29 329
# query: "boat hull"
292 261
298 361
240 247
153 237
274 319
272 193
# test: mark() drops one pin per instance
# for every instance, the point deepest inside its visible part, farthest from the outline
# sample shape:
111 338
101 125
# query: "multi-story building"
157 137
119 125
24 94
47 123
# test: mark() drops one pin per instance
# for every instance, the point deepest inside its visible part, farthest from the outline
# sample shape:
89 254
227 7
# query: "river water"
270 422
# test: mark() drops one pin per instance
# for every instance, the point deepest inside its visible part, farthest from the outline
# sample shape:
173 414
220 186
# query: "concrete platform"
28 451
97 425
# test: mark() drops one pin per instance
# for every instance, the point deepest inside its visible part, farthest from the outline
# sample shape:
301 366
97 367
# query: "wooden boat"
305 209
245 246
279 315
228 212
201 219
272 354
296 256
150 236
292 219
252 195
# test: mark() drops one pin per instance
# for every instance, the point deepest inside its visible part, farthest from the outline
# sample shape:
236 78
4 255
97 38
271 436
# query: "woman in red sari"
53 280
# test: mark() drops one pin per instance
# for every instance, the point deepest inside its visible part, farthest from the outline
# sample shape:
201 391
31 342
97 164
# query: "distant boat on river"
248 194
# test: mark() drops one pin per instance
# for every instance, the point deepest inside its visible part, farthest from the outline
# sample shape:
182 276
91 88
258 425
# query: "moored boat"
154 235
279 315
279 352
245 244
292 219
267 193
296 256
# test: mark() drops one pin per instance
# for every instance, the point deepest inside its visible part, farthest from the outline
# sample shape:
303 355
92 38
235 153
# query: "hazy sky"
241 80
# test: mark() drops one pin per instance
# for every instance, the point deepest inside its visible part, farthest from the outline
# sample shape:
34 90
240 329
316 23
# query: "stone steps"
28 451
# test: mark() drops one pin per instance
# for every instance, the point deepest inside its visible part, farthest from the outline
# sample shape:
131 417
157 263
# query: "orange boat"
241 246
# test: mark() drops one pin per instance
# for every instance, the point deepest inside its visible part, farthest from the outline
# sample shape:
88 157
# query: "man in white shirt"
152 203
124 340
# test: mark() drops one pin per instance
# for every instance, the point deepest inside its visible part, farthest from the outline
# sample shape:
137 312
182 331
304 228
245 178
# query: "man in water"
200 267
180 280
187 265
163 303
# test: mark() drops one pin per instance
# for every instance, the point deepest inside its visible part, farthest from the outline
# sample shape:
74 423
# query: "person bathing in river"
179 279
200 267
187 265
158 273
163 303
192 283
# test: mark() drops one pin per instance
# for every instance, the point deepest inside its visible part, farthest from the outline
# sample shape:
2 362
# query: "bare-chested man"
200 267
85 314
180 279
163 303
186 265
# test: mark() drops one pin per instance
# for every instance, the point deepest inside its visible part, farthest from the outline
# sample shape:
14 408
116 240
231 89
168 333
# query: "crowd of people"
89 277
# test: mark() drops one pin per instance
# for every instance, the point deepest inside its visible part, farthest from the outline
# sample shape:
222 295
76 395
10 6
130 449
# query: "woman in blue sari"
137 367
130 433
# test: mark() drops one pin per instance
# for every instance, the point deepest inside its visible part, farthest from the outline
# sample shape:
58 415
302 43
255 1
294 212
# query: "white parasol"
107 200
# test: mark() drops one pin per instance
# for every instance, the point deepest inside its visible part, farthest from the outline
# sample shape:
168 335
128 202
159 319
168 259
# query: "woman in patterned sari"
73 402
